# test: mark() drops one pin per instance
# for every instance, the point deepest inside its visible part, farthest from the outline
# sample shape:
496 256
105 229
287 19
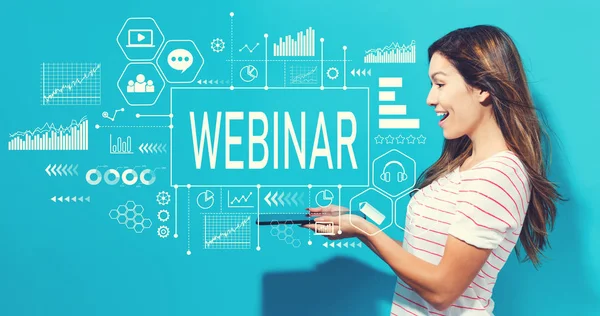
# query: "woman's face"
461 107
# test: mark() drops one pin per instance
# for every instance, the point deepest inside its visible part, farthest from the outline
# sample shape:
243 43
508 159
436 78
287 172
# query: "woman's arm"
439 285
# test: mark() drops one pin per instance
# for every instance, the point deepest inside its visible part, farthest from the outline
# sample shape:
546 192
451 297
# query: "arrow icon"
325 244
267 198
53 199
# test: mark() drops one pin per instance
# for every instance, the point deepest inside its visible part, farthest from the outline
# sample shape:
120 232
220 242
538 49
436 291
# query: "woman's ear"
484 97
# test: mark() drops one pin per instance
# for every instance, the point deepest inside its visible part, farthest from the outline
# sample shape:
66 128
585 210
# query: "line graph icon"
71 83
227 232
250 50
241 201
300 75
393 53
50 137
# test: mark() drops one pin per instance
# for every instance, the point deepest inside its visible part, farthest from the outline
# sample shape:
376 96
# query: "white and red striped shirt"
485 207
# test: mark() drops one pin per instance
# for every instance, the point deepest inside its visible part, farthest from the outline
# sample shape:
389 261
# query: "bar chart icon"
302 45
121 146
392 115
49 137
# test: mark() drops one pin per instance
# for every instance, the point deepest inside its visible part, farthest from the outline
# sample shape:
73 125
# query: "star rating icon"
389 139
400 140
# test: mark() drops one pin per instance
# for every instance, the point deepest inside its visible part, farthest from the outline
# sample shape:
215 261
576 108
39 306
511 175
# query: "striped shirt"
485 207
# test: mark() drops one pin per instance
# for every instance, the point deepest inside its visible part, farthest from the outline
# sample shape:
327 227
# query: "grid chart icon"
70 83
227 232
303 75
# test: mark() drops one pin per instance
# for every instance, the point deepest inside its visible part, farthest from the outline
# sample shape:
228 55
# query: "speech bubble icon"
180 59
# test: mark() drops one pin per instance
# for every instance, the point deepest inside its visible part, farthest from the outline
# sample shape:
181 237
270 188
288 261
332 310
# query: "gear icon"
333 73
163 215
163 231
217 45
163 198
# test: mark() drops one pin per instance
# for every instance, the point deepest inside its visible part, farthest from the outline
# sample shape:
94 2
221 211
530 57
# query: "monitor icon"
140 38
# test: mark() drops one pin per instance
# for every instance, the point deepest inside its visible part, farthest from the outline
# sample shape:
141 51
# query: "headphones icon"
400 176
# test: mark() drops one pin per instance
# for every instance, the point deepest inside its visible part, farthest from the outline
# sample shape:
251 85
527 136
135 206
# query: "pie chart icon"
248 73
324 198
206 199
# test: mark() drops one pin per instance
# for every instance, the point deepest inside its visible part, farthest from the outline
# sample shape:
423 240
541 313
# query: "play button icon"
140 38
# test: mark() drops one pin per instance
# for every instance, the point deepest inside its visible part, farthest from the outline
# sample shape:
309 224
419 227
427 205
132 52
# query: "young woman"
486 192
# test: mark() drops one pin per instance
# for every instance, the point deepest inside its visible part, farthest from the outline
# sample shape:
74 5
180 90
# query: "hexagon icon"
377 207
140 84
180 61
394 173
140 38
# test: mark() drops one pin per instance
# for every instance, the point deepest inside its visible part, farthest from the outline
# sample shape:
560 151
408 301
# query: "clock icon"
206 199
324 198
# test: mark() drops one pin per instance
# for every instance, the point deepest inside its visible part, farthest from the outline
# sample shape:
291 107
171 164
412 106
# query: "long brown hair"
488 59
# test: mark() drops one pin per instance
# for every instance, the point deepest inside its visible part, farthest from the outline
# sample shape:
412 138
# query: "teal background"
72 259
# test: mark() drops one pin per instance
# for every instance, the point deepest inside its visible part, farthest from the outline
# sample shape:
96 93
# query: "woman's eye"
439 85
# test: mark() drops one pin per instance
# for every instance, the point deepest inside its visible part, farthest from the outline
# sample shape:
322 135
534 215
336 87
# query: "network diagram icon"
140 39
180 61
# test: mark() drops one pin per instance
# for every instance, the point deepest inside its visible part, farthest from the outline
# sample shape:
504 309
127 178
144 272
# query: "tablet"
295 219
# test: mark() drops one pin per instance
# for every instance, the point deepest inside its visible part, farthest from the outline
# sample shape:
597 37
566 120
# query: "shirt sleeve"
489 205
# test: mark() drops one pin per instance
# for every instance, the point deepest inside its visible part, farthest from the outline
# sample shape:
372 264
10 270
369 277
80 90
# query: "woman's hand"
337 219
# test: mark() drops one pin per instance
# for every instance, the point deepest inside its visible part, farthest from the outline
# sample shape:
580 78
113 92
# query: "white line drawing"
389 139
325 229
285 232
62 170
212 81
152 148
241 202
112 118
248 73
140 38
49 137
205 199
181 59
121 146
128 177
284 198
71 83
387 110
371 212
359 72
339 244
163 198
407 174
68 199
393 53
303 74
333 73
163 215
163 231
131 215
147 87
226 232
250 50
303 45
217 45
324 198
